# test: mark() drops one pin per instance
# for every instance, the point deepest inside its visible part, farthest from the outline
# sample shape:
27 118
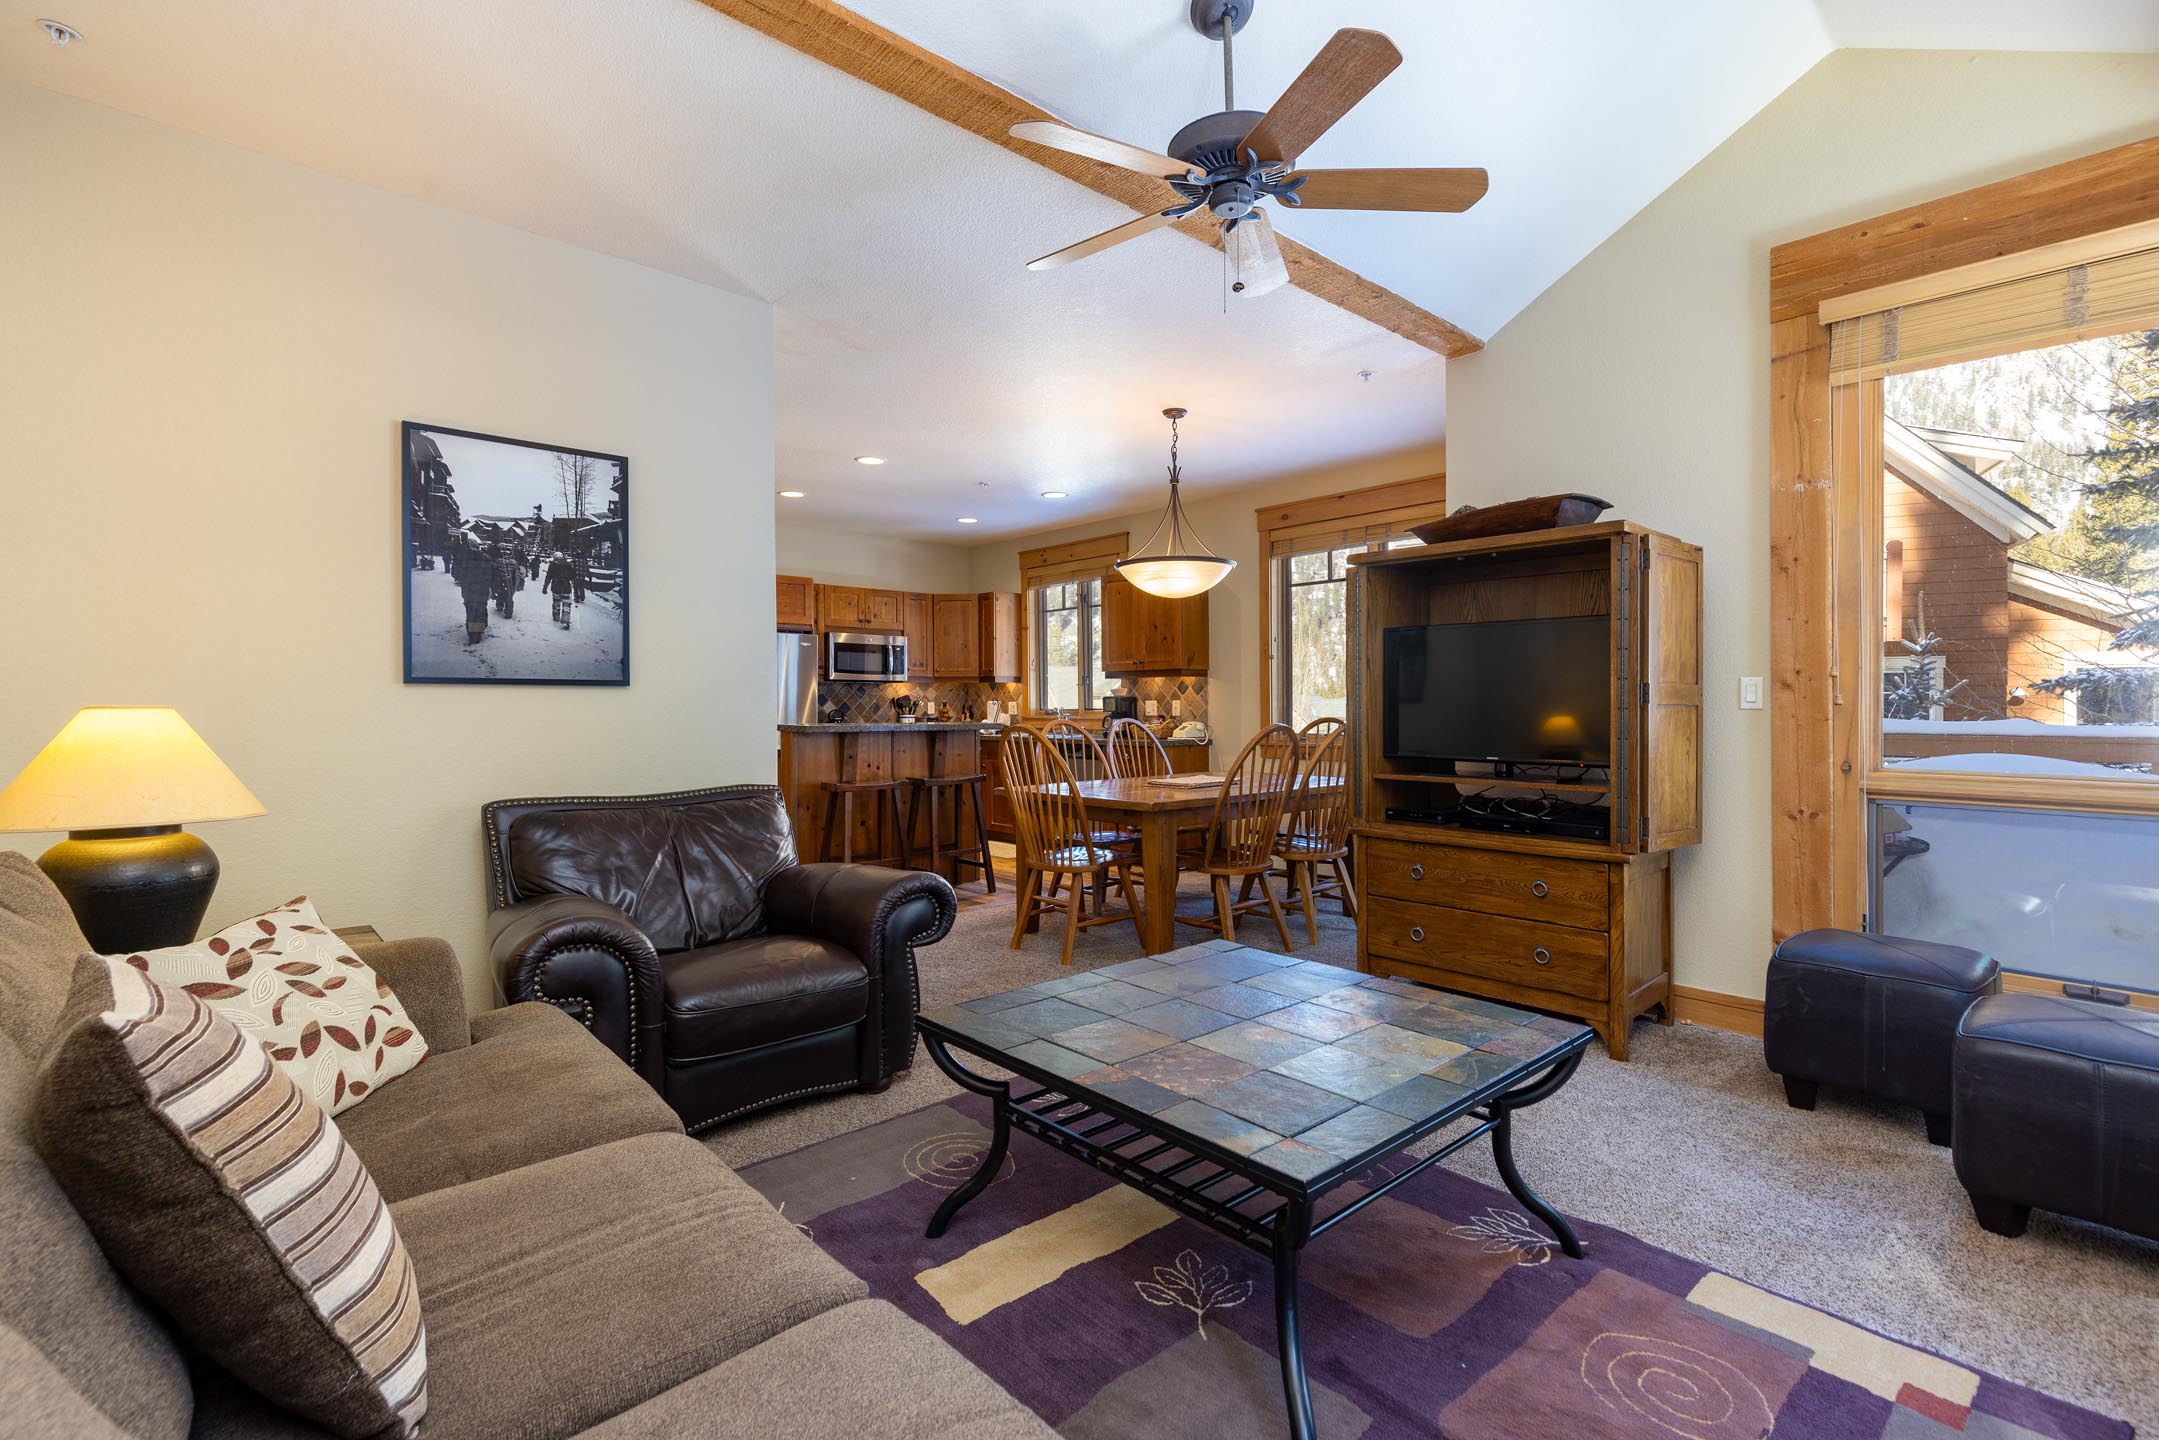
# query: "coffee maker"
1118 707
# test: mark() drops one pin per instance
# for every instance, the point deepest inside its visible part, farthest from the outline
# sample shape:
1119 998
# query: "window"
2053 893
1951 381
2019 525
1068 646
1304 595
1312 656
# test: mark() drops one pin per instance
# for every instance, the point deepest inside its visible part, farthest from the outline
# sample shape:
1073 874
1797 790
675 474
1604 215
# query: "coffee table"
1241 1087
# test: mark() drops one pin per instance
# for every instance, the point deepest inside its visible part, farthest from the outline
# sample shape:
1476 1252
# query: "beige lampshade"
116 767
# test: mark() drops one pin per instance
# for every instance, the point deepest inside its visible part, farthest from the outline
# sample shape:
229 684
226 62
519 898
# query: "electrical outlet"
1176 709
1750 692
1151 708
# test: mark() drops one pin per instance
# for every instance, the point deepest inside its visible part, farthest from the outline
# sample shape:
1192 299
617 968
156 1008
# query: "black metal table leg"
1000 1094
1288 1245
1503 1108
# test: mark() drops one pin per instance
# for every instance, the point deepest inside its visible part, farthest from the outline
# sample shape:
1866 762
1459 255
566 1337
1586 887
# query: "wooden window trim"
1088 559
1399 504
1823 744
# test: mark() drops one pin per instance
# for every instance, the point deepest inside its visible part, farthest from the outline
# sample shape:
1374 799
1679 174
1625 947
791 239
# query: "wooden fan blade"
1342 73
1391 189
1098 147
1130 230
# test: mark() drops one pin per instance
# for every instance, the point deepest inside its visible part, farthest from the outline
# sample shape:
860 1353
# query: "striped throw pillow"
229 1197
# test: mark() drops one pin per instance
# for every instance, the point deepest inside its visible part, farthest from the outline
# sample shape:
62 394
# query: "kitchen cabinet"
1145 634
797 602
955 636
915 619
839 607
850 607
998 612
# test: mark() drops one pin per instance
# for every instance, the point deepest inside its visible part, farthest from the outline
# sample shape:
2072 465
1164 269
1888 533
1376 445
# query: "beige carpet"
1690 1146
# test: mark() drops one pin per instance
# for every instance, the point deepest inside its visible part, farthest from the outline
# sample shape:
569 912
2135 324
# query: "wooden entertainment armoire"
1577 927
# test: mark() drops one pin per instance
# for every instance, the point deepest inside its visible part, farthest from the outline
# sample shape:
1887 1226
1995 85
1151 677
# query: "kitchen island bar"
813 757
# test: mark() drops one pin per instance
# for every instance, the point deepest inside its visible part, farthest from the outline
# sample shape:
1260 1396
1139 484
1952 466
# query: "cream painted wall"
1642 376
886 562
204 358
1224 519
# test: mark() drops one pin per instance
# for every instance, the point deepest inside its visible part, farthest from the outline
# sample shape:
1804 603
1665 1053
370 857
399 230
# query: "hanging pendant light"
1174 562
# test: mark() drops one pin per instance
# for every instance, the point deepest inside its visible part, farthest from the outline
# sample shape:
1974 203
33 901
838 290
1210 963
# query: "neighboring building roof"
1982 454
2075 594
1921 462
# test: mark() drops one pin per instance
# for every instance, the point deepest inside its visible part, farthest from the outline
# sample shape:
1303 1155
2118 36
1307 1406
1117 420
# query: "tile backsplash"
869 702
866 702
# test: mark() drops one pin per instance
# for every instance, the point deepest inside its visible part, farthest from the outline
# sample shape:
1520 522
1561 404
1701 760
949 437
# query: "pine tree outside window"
1313 631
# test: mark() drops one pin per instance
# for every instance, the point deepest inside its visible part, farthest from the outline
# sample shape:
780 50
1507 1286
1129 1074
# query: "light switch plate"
1750 692
1176 709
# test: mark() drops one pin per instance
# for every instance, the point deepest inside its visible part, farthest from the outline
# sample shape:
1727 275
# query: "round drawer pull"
1541 955
1416 933
1416 872
1539 889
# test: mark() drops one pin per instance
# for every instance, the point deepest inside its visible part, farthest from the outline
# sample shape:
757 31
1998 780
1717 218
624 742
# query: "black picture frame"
437 535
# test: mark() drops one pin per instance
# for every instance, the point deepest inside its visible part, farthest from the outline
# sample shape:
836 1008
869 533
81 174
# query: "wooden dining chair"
1135 752
1318 830
1086 758
1057 841
1243 828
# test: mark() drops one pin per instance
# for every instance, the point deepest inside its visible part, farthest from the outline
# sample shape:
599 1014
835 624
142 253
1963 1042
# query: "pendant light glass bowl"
1174 563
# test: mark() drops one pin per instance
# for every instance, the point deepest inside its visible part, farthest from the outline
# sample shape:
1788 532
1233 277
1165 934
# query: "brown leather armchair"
681 930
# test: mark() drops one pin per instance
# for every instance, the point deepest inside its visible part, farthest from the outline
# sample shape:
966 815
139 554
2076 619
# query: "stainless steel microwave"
850 655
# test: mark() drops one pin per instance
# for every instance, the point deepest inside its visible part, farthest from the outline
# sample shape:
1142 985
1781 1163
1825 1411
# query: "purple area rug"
1440 1309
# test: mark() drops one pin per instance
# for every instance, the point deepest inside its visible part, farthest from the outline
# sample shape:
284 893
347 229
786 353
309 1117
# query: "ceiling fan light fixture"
1255 260
1175 562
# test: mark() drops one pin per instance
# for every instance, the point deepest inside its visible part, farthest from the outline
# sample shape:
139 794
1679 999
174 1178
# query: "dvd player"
1572 824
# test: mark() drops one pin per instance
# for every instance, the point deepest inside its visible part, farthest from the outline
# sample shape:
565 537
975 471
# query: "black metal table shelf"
1263 1208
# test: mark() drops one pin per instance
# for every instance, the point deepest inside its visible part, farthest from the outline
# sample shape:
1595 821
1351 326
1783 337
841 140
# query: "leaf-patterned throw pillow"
322 1011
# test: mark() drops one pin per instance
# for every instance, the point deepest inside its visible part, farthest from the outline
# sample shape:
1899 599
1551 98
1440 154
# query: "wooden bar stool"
960 852
840 821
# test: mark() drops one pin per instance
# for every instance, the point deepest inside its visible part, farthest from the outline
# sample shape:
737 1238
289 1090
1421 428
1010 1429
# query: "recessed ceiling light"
869 459
1053 494
969 520
790 494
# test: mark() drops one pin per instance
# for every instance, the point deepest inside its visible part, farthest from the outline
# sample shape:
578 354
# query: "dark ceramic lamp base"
136 889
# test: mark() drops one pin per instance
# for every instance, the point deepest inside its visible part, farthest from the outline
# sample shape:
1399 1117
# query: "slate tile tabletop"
1296 1065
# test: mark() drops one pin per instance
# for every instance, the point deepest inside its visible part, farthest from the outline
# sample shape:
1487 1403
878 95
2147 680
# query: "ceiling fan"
1230 161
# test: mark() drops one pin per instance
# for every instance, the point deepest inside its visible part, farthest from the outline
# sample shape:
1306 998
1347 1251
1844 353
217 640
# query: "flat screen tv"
1521 691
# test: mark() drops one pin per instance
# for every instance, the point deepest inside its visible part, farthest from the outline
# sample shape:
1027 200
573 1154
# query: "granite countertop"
855 729
984 726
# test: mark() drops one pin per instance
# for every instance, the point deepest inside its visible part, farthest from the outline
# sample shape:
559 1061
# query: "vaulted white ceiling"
892 244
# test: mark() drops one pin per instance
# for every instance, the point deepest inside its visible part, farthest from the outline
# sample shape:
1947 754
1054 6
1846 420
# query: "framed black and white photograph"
517 561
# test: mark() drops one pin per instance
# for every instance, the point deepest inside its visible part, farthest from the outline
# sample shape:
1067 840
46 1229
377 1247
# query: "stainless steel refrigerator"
798 679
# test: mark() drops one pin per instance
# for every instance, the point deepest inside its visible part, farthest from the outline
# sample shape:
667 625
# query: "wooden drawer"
1497 882
1523 952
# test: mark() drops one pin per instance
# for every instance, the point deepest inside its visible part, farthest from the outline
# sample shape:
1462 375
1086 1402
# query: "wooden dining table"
1157 811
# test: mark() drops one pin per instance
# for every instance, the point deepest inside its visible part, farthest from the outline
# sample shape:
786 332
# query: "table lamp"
122 780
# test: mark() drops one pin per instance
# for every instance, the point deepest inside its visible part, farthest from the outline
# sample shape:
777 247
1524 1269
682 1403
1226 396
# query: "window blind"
2075 302
1075 560
1306 540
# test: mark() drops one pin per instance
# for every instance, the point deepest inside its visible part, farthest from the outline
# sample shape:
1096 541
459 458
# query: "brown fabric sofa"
584 1266
682 931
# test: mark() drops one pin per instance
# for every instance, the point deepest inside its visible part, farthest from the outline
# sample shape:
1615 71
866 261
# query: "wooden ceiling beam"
849 43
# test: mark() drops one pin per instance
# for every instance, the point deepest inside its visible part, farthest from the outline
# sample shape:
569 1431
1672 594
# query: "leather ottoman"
2057 1107
1872 1013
